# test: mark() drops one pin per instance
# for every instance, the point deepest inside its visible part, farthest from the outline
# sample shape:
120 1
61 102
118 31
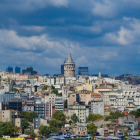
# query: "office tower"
9 69
17 69
29 71
62 69
83 71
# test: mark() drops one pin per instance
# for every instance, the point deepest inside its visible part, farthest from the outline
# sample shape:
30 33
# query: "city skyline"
102 35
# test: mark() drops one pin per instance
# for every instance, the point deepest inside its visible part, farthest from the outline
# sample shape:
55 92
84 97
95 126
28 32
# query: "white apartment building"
97 107
28 89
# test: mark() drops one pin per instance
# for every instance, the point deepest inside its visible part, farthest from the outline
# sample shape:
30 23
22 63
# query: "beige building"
69 67
80 110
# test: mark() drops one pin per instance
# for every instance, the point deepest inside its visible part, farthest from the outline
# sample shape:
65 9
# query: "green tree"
45 88
55 91
8 128
54 125
93 117
33 134
114 115
24 124
91 128
53 87
44 130
70 122
59 115
74 118
135 113
125 133
27 132
14 90
139 133
1 134
29 116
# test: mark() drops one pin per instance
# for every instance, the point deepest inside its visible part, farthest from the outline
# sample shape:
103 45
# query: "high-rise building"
69 67
62 69
9 69
29 71
17 69
83 71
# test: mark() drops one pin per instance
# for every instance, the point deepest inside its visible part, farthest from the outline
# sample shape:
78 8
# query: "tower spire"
69 59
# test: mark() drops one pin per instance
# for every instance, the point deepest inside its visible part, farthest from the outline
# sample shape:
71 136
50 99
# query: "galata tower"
69 67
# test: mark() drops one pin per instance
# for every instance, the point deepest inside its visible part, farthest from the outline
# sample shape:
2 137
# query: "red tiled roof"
137 119
107 83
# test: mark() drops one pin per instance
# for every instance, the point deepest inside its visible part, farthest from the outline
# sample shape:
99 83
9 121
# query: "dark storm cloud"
102 34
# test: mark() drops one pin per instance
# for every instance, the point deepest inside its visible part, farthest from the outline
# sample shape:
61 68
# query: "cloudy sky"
102 34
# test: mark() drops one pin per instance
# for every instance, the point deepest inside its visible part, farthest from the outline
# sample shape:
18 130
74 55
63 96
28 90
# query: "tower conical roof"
69 59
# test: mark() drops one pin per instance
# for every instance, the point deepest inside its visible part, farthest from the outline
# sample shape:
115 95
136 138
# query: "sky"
103 35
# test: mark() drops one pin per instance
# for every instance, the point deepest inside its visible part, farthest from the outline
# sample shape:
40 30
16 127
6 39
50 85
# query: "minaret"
69 67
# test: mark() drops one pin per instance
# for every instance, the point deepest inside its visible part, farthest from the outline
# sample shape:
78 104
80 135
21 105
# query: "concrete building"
59 103
69 67
28 89
15 104
81 111
6 97
28 107
97 107
40 109
51 80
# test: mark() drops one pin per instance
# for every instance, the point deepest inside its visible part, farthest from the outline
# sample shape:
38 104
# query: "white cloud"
34 28
105 8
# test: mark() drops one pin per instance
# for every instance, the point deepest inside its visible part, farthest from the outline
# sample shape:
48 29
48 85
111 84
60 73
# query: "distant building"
62 69
17 69
29 71
9 69
83 71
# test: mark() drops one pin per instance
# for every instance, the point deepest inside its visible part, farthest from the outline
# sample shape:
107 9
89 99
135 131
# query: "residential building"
28 89
49 110
28 107
81 111
83 71
80 130
40 109
51 80
59 103
97 107
39 121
